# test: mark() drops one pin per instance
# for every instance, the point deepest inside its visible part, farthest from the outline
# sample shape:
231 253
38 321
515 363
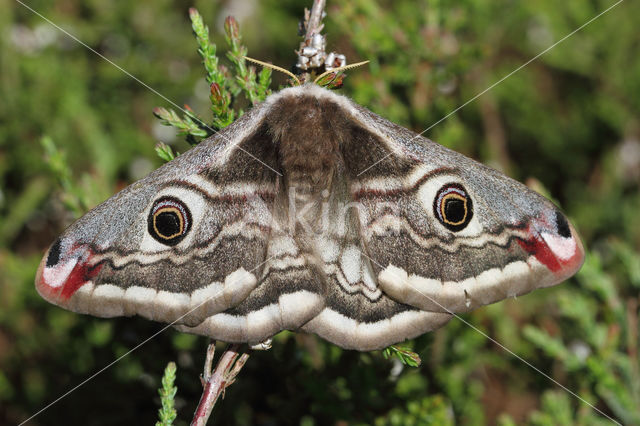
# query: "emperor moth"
311 213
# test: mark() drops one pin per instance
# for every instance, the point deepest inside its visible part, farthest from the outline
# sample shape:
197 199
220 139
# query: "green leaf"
406 356
167 414
206 49
165 152
256 91
56 159
189 124
332 80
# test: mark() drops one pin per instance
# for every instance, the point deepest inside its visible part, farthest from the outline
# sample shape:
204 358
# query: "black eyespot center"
168 224
453 207
455 210
169 221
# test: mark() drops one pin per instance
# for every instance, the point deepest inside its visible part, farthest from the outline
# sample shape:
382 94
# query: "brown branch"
215 382
311 54
314 23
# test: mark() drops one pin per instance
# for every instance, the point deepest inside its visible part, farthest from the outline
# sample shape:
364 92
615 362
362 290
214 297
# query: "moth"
311 213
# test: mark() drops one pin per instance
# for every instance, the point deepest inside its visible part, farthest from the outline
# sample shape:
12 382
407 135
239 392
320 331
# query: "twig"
215 382
314 23
312 57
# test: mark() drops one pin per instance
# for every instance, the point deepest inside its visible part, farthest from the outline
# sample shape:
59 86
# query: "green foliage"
57 161
224 85
189 125
424 412
258 90
167 413
74 130
332 80
602 358
406 356
223 115
165 152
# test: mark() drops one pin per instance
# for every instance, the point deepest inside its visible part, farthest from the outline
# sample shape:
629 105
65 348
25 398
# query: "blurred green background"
568 124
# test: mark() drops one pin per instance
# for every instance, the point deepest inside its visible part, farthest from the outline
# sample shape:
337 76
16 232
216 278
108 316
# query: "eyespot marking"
453 207
169 221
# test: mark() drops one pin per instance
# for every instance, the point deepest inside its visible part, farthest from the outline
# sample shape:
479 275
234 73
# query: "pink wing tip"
561 251
57 281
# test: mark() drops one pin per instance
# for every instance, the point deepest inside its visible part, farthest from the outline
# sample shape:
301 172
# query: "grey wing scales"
290 292
412 232
107 263
357 314
512 240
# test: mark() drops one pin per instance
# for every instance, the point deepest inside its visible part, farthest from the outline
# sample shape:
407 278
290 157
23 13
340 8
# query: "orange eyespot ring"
169 221
453 207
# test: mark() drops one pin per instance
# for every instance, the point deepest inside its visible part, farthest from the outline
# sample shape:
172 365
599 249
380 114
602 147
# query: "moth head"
332 78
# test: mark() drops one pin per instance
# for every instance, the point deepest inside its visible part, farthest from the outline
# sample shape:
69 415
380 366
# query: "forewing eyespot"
453 207
169 221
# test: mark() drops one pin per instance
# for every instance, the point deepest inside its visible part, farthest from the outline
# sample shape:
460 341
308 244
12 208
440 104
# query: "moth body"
311 213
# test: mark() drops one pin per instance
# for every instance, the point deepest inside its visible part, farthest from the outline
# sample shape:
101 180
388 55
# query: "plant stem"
312 24
315 19
228 367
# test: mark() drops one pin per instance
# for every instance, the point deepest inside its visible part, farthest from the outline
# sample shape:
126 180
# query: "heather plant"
74 129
